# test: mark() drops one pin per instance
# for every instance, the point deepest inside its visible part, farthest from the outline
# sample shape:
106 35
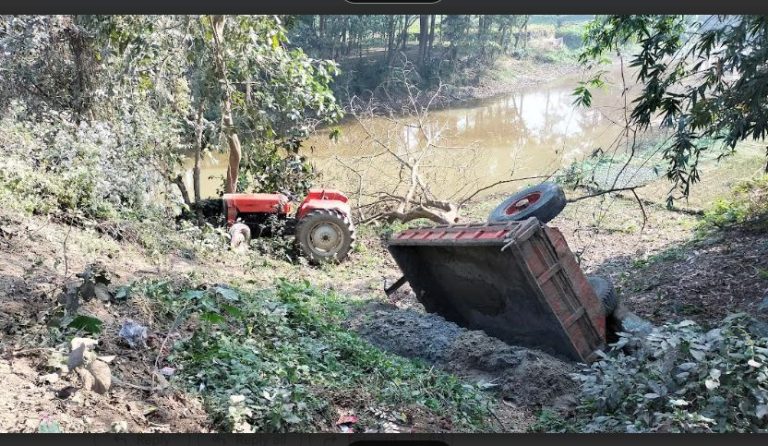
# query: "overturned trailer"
516 280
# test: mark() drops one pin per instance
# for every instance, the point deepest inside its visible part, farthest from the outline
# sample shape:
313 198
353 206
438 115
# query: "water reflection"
531 132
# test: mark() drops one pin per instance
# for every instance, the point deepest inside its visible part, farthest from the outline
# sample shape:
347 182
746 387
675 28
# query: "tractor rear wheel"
325 236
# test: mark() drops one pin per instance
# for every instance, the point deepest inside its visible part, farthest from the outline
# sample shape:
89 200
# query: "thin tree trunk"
228 126
431 36
423 39
391 40
404 33
503 44
198 151
179 182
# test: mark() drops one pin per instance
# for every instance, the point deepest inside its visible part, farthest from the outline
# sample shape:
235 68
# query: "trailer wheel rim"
325 238
523 203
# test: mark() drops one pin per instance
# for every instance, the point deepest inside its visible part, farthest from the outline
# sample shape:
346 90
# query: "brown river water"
534 131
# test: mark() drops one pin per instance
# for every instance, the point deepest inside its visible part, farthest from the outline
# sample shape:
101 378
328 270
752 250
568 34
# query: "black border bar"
345 7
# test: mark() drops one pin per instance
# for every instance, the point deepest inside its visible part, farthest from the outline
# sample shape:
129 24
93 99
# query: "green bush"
748 207
573 36
81 170
279 360
682 378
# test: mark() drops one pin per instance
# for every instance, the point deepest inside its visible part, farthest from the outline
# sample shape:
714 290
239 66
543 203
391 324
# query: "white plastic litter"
134 334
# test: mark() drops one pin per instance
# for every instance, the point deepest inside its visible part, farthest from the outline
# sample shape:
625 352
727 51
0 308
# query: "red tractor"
322 223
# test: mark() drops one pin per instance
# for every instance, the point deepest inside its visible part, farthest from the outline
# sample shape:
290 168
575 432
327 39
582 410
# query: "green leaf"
86 323
233 311
123 293
193 294
214 318
227 293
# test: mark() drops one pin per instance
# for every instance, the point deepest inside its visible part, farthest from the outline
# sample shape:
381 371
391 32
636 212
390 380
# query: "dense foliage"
706 80
454 49
278 360
746 208
104 99
682 379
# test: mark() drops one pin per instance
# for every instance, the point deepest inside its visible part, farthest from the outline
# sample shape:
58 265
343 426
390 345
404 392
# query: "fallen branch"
446 217
641 201
642 208
603 192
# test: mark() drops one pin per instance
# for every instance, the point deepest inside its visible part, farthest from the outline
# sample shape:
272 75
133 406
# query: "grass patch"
279 360
746 209
549 421
673 254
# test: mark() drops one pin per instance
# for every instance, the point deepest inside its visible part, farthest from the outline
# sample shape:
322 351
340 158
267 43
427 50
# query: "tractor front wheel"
325 236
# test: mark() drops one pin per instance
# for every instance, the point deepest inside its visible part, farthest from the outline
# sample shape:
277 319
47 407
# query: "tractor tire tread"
346 246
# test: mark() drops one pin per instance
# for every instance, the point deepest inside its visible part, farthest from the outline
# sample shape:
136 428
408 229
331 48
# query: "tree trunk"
431 36
198 151
404 34
321 34
179 182
481 31
228 125
423 39
345 36
525 32
390 39
503 44
80 46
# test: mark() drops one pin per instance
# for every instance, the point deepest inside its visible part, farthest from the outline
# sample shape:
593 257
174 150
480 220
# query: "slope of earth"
660 274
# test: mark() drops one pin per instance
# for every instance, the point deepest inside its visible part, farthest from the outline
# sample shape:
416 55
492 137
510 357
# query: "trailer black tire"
611 306
543 201
605 292
325 236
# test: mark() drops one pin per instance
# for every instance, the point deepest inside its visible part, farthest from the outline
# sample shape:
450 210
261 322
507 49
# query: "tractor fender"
309 205
327 199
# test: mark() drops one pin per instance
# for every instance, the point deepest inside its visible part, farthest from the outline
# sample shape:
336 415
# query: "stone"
50 378
101 292
102 376
763 306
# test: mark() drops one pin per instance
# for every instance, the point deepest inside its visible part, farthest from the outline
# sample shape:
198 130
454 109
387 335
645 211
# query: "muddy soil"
521 376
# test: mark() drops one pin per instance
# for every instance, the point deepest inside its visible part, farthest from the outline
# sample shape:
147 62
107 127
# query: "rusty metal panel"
517 282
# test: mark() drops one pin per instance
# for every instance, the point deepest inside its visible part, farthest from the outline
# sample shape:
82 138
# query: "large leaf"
227 293
86 323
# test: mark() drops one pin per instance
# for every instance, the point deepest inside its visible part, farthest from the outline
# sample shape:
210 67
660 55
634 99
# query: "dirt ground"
659 272
521 376
33 269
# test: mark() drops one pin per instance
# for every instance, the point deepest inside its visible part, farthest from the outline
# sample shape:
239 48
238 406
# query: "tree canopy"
152 83
706 80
